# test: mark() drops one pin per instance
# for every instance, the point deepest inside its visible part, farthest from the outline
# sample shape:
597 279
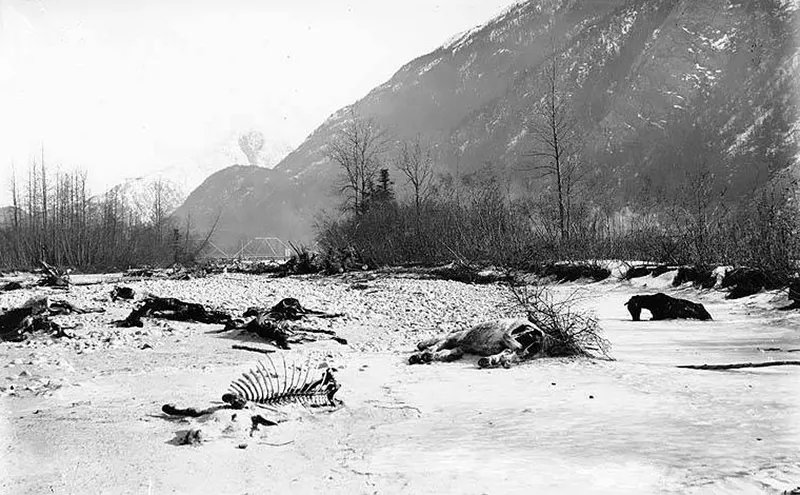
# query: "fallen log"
252 349
736 366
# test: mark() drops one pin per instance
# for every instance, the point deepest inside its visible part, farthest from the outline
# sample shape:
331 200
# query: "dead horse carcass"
501 343
664 307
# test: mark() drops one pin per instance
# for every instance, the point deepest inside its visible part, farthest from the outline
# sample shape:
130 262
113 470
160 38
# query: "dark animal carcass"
170 308
664 307
122 293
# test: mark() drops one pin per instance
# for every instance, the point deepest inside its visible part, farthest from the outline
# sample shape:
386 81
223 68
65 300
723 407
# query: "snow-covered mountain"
178 180
652 82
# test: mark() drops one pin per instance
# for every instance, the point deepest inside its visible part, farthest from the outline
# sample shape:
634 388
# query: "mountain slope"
640 73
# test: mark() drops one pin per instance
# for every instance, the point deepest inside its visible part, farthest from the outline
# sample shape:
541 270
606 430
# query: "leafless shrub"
570 331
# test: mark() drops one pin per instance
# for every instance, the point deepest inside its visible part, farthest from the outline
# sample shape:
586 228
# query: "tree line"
486 216
54 218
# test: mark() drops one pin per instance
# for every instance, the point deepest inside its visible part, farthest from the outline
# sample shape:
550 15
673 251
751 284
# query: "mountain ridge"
637 71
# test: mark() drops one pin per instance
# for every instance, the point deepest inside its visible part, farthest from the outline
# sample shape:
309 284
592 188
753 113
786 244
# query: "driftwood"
737 366
170 308
190 412
698 275
144 272
53 277
571 272
664 307
637 272
748 281
252 349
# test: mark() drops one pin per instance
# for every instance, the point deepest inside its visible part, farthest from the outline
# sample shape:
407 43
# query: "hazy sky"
122 88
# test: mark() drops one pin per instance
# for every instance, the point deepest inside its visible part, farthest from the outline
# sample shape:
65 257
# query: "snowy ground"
84 415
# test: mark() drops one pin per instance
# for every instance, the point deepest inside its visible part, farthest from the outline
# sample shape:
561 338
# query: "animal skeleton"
266 386
270 386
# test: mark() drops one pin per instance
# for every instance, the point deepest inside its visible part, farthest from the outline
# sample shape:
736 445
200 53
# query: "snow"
675 94
628 21
464 38
429 66
631 426
722 43
515 140
744 136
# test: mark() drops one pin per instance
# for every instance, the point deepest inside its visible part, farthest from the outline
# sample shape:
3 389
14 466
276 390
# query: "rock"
699 276
747 281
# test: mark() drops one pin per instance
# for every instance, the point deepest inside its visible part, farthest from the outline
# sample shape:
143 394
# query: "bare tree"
358 150
45 245
250 144
556 150
159 209
415 161
15 205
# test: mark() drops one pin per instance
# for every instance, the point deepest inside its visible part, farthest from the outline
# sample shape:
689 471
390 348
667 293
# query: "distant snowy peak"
147 197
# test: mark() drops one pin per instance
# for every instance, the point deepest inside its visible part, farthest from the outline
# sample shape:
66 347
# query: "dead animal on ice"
502 343
122 293
290 308
278 326
664 307
262 397
35 315
170 308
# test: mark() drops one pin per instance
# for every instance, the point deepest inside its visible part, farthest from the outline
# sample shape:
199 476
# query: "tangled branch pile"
569 330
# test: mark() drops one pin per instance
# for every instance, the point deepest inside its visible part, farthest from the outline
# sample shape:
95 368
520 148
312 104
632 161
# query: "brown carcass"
500 343
282 324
